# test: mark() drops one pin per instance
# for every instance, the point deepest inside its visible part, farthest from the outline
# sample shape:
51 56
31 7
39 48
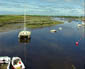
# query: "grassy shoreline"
32 21
12 22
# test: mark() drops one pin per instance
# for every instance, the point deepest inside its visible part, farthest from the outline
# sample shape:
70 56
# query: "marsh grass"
31 21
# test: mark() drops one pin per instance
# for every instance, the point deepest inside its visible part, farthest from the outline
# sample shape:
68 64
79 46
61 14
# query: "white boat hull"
25 34
19 64
5 60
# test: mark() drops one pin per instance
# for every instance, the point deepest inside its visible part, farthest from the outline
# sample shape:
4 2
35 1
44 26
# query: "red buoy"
77 43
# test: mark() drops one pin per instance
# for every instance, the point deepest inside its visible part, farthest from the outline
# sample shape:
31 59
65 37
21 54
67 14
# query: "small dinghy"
52 30
17 63
60 28
5 62
79 25
83 22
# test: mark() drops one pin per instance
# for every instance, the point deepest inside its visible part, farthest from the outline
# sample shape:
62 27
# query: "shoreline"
32 21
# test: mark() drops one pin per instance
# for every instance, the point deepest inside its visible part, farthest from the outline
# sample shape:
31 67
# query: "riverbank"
31 21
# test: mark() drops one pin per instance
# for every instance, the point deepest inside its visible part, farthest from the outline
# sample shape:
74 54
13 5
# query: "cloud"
38 7
50 0
83 4
68 0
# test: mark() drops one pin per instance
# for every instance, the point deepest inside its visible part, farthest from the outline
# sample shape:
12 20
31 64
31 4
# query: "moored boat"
79 25
83 22
24 35
5 62
53 30
17 63
60 28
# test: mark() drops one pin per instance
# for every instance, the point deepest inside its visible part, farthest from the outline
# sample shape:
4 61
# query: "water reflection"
24 41
46 50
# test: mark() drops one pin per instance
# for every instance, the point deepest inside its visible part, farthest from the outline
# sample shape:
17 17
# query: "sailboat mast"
24 18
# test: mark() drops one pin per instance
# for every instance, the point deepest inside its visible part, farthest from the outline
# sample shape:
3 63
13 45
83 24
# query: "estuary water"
46 50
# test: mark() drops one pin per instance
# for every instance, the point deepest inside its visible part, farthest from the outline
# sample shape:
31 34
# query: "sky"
42 7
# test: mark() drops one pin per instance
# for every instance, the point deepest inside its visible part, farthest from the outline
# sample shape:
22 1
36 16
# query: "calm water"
48 50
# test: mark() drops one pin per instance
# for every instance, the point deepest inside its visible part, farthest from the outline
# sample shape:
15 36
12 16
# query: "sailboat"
24 35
